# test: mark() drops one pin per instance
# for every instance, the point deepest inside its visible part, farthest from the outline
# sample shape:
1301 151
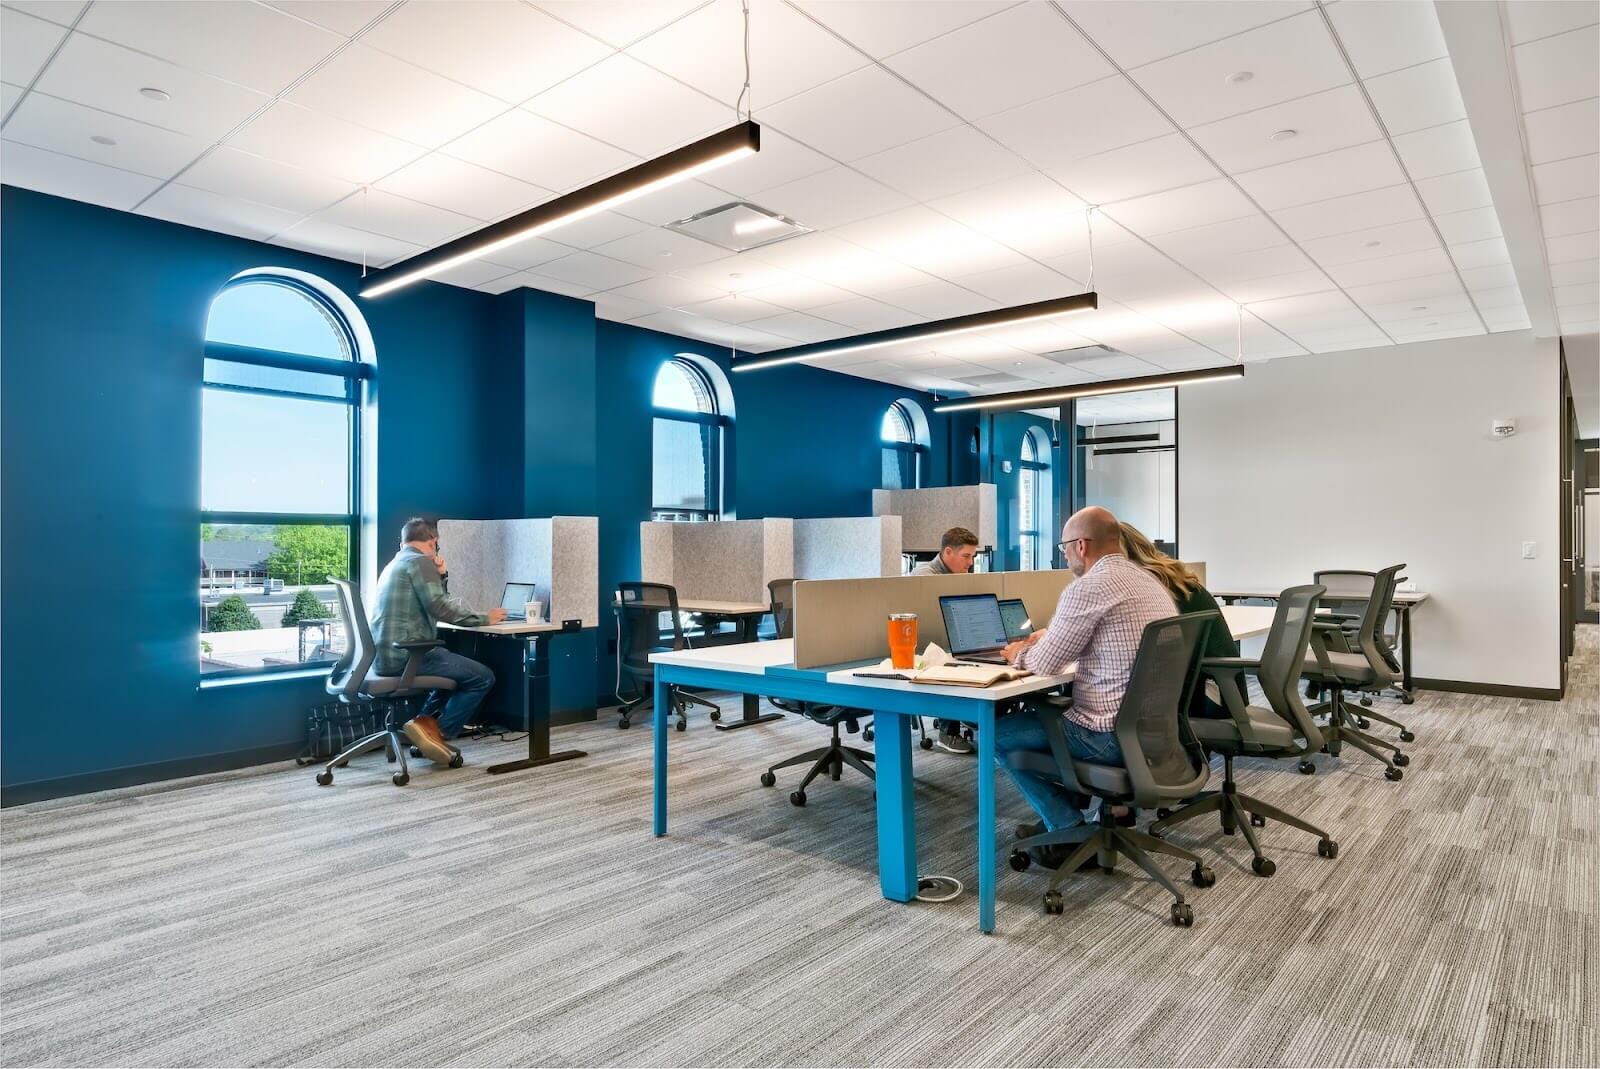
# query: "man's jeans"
454 709
1023 730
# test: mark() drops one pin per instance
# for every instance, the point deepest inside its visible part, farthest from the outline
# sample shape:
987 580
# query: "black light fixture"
1034 398
939 328
736 142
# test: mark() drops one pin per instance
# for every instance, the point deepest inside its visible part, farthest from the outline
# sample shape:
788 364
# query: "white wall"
1367 458
1138 487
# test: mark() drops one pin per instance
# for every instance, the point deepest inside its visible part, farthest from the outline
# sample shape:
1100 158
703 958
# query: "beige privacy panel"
729 560
560 554
925 515
852 547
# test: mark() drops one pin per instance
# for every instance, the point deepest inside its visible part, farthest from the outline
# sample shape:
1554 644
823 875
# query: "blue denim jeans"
454 709
1058 807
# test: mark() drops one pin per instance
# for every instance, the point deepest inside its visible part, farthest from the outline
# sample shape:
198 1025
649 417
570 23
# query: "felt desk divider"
850 547
728 560
561 554
925 515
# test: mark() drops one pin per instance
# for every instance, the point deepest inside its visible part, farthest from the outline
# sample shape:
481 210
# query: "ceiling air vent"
739 226
1085 356
991 380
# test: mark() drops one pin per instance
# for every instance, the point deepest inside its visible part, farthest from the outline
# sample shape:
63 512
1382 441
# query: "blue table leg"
659 720
986 866
897 818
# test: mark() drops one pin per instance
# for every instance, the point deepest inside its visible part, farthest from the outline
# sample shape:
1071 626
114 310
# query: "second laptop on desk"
980 625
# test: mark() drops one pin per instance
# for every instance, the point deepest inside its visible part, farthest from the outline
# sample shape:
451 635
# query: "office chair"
1163 763
830 758
1335 667
1286 730
639 609
1348 609
352 680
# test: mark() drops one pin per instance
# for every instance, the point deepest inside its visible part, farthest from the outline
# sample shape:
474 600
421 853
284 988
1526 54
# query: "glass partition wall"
1125 458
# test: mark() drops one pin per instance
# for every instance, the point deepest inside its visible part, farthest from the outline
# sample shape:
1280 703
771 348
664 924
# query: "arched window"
905 445
1035 503
279 494
686 481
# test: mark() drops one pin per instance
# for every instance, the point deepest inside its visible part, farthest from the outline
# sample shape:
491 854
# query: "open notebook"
936 667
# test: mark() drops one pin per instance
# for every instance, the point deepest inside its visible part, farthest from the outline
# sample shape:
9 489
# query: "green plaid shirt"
411 600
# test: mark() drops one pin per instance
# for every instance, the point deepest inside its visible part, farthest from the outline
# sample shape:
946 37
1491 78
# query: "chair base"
1236 811
830 759
681 700
1342 729
395 749
1106 839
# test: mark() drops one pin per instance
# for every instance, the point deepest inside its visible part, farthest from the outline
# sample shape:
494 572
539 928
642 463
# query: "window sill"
263 677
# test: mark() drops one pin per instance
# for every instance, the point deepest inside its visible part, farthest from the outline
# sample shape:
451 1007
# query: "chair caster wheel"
1323 750
456 760
402 778
1021 860
1407 699
682 724
1406 736
324 779
1230 829
1367 702
302 762
797 798
1328 848
866 734
1401 759
768 779
1162 812
1262 866
1257 820
1054 904
622 724
715 714
414 753
1307 768
1394 775
926 744
1363 723
1201 876
1182 915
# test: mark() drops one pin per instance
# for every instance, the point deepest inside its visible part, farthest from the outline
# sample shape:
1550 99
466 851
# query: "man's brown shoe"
424 733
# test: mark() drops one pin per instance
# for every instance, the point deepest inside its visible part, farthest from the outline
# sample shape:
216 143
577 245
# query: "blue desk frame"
893 710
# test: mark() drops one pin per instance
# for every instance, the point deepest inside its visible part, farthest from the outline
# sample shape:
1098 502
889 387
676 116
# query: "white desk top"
1014 688
751 657
719 608
1247 621
510 627
1408 597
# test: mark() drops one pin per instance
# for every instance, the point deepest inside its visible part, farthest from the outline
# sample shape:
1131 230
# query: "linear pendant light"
939 328
1044 395
731 144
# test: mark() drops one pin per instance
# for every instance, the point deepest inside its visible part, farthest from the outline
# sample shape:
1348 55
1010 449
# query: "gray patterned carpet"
256 919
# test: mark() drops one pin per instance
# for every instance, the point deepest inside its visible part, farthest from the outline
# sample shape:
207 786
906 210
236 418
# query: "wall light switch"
1530 550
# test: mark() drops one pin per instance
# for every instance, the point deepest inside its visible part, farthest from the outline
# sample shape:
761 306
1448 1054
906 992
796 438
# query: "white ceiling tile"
1275 262
1021 284
1457 192
597 229
1567 179
1358 211
1090 119
456 186
660 250
534 280
1562 132
619 23
1457 326
1579 320
1502 319
1341 340
345 17
799 294
344 243
939 300
1458 228
884 29
1557 70
1501 297
734 309
1382 241
1574 272
865 314
736 274
592 270
624 103
415 105
1485 253
1335 119
1388 268
510 51
323 144
1439 150
825 258
530 254
1160 213
1030 213
1488 275
60 12
781 160
242 176
1148 167
473 274
109 77
9 95
923 239
396 217
671 203
1571 217
538 151
943 164
211 211
25 44
621 309
1291 58
1533 19
1443 304
666 291
1273 287
1573 247
788 52
1323 178
1385 35
252 44
1135 34
48 123
861 113
832 198
1405 289
800 327
1019 55
1418 97
67 176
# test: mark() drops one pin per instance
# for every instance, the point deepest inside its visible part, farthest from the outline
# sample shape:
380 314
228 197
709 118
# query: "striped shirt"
1098 623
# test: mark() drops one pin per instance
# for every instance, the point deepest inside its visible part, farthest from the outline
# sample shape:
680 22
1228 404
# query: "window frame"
1037 473
714 462
356 373
915 447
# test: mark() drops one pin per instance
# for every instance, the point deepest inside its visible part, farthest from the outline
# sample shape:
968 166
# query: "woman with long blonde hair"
1190 595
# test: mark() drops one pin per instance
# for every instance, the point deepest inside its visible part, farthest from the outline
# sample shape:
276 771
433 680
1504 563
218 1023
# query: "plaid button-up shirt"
411 600
1098 623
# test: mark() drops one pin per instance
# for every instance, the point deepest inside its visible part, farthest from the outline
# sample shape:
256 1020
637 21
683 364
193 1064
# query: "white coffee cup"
533 611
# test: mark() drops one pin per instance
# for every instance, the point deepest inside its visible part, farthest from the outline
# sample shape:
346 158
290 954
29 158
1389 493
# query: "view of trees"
306 607
308 555
232 614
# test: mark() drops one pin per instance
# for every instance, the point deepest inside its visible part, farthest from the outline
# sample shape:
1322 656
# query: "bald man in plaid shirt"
1098 624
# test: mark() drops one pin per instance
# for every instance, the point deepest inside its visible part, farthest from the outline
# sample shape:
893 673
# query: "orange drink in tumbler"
903 639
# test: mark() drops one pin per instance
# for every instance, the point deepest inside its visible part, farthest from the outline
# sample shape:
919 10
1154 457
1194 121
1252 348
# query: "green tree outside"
232 614
305 555
306 607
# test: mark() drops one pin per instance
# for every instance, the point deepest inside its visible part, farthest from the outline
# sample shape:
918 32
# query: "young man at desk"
411 601
957 549
1098 623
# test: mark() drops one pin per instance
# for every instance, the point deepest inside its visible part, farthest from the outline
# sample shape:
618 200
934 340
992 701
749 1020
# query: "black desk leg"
1405 651
748 626
532 700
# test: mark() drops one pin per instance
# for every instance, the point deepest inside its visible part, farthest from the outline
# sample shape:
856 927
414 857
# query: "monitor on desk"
515 599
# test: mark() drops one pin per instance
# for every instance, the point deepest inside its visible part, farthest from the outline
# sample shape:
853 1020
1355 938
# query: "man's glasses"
1061 547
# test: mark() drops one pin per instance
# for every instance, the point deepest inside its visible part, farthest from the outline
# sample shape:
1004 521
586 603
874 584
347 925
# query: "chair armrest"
1212 665
1341 616
414 651
419 644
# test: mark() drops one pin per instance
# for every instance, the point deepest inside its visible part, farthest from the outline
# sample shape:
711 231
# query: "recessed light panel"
739 226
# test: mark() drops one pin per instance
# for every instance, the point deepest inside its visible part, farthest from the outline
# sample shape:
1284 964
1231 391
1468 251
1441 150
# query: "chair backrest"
1373 594
350 671
781 593
1283 659
639 609
1163 759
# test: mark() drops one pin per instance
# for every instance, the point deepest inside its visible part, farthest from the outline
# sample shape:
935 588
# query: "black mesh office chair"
1284 731
1344 660
1349 610
830 758
1162 762
639 610
352 680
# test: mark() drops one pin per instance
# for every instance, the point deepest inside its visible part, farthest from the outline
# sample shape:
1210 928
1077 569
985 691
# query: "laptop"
1015 616
515 600
975 627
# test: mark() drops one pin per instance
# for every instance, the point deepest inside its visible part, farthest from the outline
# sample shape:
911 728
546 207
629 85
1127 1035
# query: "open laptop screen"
1015 615
516 597
972 622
